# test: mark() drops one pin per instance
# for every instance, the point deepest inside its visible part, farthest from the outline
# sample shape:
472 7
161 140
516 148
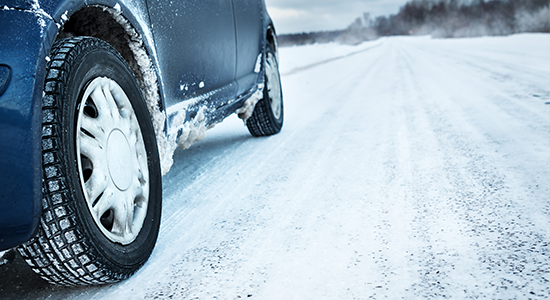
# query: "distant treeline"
440 19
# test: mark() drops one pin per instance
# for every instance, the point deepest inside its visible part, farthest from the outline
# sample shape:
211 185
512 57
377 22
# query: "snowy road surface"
407 168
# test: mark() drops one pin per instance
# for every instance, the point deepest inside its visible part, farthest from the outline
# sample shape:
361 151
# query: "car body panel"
249 42
29 29
22 50
209 48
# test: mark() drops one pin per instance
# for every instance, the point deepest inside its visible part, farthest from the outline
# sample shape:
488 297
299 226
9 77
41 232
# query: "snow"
258 65
246 111
40 14
191 131
407 167
184 133
64 17
2 259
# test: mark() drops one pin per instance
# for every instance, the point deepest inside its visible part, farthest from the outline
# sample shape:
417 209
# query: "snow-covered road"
407 168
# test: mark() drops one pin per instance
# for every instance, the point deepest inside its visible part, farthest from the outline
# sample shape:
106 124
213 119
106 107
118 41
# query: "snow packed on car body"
95 96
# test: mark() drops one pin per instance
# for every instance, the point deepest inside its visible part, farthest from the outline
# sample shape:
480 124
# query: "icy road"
408 168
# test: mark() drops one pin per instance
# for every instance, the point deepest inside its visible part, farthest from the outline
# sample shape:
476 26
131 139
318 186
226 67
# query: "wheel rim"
273 85
112 161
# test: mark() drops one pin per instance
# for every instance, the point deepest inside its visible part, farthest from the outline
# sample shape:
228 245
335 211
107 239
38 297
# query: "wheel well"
99 22
109 25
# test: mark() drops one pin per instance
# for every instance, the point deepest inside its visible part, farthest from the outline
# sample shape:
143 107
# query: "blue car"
95 96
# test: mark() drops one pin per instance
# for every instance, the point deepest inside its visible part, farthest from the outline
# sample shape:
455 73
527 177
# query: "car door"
248 24
195 42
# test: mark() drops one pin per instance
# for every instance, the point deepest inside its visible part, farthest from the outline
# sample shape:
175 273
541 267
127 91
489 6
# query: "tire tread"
263 122
59 253
260 123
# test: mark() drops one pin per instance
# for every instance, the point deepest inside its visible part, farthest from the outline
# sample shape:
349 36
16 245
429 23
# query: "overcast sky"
293 16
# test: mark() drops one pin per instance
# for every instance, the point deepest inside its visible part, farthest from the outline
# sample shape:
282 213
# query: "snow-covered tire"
101 175
268 115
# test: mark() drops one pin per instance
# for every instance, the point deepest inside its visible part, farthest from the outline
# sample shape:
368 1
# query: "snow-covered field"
407 168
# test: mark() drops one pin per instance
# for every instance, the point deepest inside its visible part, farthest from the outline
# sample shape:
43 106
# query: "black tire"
267 118
71 247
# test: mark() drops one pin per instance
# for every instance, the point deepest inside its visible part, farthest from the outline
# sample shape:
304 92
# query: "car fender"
25 38
28 31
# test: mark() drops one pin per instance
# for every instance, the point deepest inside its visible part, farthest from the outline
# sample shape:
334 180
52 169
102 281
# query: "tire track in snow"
303 68
319 202
484 197
441 259
516 90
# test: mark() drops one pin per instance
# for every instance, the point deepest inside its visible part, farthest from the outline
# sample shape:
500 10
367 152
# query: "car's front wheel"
101 175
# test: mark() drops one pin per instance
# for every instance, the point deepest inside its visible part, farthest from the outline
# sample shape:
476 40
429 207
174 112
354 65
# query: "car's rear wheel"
101 175
267 118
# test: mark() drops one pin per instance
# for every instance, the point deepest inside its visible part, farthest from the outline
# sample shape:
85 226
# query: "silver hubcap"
112 161
273 85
